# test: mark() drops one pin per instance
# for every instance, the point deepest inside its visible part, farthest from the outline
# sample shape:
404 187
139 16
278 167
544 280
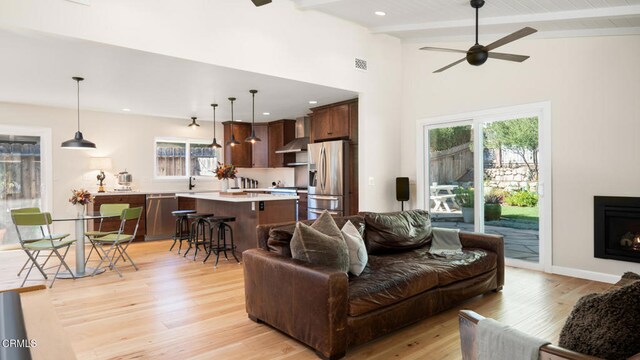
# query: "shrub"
523 198
493 197
464 196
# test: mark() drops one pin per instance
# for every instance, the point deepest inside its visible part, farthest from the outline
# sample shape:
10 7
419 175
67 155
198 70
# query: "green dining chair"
31 239
49 242
105 210
116 244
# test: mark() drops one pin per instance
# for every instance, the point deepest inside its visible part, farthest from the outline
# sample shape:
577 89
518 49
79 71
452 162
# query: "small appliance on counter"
124 181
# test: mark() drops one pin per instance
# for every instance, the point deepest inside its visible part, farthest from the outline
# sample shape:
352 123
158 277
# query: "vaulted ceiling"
453 20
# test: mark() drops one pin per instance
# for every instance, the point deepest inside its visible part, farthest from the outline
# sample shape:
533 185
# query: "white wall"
593 85
277 40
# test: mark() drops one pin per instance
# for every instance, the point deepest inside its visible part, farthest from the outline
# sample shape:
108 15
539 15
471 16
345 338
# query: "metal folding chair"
48 242
118 242
105 210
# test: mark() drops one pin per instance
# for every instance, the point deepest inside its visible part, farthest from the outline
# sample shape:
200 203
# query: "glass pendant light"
214 144
78 142
253 138
194 125
232 141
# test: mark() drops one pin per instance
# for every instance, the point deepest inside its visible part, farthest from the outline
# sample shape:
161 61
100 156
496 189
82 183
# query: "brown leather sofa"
331 311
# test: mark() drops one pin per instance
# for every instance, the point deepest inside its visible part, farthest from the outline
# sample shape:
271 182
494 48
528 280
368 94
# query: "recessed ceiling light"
125 109
266 113
380 13
313 102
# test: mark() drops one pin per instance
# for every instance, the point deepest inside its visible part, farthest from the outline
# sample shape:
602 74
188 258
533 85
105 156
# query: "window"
172 160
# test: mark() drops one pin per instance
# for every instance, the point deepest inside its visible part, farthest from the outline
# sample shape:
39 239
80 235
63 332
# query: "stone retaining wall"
510 178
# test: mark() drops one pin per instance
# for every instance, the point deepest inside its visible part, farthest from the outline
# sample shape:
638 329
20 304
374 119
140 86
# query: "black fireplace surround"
617 228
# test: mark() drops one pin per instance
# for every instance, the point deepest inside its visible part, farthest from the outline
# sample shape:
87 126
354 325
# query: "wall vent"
361 64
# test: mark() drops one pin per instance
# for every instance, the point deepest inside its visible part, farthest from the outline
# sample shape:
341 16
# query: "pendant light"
214 144
253 138
78 142
232 141
194 125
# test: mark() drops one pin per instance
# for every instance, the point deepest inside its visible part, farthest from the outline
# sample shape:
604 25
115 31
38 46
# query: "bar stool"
198 224
182 227
222 226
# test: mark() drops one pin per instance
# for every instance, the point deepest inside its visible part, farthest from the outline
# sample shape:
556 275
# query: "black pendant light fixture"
232 141
194 125
214 144
253 138
78 142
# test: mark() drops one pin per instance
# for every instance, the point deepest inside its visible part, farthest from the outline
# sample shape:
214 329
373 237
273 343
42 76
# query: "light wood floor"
174 308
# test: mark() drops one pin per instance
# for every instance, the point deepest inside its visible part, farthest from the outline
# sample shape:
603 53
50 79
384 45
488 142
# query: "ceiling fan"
478 54
260 2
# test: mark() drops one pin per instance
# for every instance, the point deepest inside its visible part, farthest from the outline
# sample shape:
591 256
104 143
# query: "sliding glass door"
485 175
23 174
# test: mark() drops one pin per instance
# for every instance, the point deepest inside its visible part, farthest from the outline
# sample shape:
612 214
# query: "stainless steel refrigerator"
328 178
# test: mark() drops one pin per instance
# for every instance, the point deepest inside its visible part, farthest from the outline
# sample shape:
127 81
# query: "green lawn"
520 213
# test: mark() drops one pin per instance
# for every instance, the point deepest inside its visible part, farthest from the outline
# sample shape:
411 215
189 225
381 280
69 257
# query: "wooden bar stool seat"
199 227
182 227
221 245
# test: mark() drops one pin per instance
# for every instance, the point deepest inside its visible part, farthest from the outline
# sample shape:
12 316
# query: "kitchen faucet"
191 185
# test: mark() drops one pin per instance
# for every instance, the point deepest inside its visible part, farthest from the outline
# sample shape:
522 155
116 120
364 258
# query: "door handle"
332 198
320 212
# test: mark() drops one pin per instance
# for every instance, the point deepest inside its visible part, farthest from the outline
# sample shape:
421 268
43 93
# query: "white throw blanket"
445 242
501 342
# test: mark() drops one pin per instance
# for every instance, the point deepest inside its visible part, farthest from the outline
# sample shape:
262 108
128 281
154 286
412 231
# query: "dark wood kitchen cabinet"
280 133
334 121
260 152
240 155
303 203
112 224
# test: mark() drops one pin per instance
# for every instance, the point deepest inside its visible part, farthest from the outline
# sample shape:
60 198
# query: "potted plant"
224 173
492 206
465 197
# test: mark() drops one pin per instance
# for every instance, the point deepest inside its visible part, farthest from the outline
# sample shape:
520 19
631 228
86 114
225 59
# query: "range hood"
301 141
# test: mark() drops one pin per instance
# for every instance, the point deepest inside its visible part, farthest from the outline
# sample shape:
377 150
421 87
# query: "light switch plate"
372 181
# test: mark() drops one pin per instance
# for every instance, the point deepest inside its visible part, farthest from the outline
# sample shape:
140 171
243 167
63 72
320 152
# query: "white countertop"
251 197
143 192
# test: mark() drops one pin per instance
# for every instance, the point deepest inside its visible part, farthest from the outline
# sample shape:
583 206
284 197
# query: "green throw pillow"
321 243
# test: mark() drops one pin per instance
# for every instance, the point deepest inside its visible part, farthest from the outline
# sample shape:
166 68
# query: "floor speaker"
402 189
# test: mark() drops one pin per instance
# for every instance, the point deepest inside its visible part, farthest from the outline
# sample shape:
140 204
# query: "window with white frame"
174 158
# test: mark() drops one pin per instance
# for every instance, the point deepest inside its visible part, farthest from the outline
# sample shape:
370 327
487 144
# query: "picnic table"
441 195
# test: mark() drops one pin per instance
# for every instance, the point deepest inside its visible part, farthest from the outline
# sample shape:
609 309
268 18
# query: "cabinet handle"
329 133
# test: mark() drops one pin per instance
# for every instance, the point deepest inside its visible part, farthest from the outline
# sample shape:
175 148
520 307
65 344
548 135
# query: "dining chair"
105 210
31 239
118 242
48 242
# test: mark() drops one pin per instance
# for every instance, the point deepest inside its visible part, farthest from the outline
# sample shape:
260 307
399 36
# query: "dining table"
81 270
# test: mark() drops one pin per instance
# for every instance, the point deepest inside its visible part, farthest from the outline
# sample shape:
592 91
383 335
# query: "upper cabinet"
281 132
260 152
239 155
335 121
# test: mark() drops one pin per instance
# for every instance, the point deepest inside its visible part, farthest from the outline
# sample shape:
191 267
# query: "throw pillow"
605 325
397 231
321 243
357 250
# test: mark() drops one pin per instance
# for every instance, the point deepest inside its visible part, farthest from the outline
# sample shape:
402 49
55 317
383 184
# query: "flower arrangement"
81 197
226 171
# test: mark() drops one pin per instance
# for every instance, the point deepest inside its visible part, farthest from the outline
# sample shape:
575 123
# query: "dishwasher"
160 222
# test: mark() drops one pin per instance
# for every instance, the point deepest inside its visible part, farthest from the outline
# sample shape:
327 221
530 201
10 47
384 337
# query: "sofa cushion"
321 243
357 250
397 231
280 237
605 325
391 278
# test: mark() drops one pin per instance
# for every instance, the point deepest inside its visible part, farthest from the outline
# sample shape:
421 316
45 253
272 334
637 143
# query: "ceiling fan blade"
509 38
508 57
450 65
443 49
260 2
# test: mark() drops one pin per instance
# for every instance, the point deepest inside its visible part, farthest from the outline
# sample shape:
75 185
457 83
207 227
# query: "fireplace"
617 228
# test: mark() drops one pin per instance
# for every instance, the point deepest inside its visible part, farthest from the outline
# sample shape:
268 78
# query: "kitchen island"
250 210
